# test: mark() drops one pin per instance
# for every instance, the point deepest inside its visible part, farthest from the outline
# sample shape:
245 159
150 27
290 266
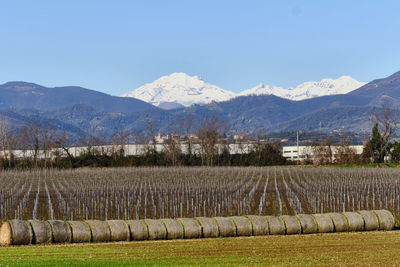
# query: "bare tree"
322 152
172 148
345 154
119 141
61 145
34 141
208 134
47 135
4 130
23 142
150 134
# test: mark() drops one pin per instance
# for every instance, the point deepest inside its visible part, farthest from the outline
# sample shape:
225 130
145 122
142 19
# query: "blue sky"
117 46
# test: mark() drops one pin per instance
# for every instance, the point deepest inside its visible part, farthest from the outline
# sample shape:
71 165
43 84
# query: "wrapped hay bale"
225 226
191 227
15 232
340 222
308 224
370 220
259 224
119 230
324 223
385 218
209 227
138 230
355 220
292 224
80 232
100 231
156 229
243 225
41 232
276 225
60 231
174 228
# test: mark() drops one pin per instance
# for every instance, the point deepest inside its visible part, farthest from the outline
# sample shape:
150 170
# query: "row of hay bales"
18 232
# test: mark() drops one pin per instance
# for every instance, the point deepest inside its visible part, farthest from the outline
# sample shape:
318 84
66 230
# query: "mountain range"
80 111
181 90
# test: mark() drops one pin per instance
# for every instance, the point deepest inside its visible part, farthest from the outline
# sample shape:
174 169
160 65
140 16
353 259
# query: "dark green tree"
395 152
377 146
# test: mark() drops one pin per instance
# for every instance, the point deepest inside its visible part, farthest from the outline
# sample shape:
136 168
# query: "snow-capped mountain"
342 85
180 88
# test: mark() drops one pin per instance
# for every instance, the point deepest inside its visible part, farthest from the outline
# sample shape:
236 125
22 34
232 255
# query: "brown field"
138 193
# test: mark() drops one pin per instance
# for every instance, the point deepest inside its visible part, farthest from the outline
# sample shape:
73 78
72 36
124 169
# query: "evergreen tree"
376 148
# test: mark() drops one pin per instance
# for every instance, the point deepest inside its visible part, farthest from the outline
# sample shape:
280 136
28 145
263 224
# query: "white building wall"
129 150
304 152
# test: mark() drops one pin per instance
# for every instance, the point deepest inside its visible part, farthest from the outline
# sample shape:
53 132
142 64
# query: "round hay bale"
340 222
156 229
100 230
292 224
385 218
308 224
15 232
259 224
243 225
41 232
276 225
191 227
60 231
355 220
138 230
80 231
225 226
209 227
371 221
119 230
324 223
174 228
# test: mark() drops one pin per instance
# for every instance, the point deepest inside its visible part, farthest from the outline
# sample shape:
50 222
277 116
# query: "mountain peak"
307 90
182 75
20 85
180 88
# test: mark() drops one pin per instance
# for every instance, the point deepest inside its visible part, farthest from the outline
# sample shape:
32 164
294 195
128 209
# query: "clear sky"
117 46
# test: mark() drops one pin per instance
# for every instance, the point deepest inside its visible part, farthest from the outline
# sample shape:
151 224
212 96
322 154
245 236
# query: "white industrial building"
307 152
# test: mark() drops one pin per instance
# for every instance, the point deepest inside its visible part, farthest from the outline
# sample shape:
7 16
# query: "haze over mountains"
179 89
80 111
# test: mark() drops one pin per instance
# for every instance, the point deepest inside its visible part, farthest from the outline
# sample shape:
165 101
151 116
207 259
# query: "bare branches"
208 133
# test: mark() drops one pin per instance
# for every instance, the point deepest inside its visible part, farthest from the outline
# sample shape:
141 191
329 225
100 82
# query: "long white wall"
129 150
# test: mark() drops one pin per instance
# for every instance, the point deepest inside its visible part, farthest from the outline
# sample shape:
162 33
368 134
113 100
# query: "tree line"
49 148
42 146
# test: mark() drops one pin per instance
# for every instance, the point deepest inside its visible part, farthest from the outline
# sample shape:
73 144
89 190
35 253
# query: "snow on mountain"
342 85
263 89
180 88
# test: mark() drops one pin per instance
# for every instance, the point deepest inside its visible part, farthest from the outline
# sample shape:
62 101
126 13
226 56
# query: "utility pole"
298 152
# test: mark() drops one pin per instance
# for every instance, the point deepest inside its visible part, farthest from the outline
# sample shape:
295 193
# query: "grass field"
337 249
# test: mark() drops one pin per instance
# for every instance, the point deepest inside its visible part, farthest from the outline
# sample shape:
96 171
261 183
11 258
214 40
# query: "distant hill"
380 91
94 112
23 95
